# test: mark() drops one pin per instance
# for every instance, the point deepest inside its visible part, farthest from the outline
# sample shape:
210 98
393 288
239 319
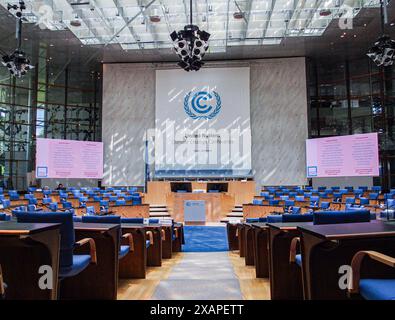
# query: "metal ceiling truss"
130 23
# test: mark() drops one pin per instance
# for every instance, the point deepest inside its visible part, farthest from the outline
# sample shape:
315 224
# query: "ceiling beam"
131 30
268 21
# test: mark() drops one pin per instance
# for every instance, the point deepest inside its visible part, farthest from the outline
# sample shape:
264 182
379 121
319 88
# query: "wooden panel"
242 191
128 211
257 211
218 205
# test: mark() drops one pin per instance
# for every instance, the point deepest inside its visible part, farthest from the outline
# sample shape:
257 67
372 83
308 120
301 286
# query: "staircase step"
159 214
157 209
234 215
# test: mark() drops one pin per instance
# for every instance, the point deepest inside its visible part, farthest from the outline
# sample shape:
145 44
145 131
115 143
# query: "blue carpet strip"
205 239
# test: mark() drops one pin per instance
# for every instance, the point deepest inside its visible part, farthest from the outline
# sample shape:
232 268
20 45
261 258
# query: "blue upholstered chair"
308 194
132 220
136 200
53 206
70 264
256 220
46 201
349 188
120 202
324 205
257 202
264 194
335 188
321 188
329 217
97 198
308 188
269 197
372 288
67 205
350 200
289 203
28 196
278 218
299 198
363 188
104 203
314 201
47 192
284 198
292 194
337 197
376 189
113 198
13 195
123 249
334 217
308 217
5 216
90 210
6 203
363 201
274 202
358 193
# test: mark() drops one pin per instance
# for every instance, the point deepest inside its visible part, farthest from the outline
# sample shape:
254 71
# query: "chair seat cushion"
123 251
147 243
377 289
298 260
80 262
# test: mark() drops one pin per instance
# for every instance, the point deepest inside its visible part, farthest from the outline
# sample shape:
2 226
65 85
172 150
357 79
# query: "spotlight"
17 63
382 52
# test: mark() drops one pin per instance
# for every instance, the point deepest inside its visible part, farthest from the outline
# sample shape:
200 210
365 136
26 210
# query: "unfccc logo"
202 104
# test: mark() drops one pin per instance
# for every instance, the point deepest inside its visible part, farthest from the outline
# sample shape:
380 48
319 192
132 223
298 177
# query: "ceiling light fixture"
17 63
190 44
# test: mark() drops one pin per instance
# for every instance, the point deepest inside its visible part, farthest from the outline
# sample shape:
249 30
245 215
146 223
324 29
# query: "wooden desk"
241 191
179 240
233 241
125 211
327 247
241 239
24 248
249 244
135 263
100 281
285 277
259 211
167 243
261 249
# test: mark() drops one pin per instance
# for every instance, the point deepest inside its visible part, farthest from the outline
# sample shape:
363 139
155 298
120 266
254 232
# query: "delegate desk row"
33 257
307 261
263 210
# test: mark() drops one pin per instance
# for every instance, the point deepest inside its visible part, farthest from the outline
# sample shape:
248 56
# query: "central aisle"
200 276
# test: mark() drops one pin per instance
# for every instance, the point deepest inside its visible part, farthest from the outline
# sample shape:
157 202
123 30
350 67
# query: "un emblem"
202 104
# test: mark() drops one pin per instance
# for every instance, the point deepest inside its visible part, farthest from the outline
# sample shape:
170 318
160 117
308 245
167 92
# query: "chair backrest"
314 198
265 193
299 198
274 202
4 217
104 203
113 198
6 203
297 217
324 205
153 221
363 188
390 203
136 200
67 238
334 217
289 203
46 200
102 219
284 198
257 201
132 220
376 189
120 202
363 201
274 218
53 206
350 200
373 196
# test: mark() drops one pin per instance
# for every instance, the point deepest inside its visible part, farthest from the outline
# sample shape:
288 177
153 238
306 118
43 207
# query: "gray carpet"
200 276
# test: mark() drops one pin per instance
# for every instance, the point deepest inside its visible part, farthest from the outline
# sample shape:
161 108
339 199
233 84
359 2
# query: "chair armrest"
356 263
293 248
92 246
163 232
129 236
150 234
2 288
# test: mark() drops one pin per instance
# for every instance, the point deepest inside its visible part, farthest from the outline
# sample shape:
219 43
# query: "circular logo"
202 104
